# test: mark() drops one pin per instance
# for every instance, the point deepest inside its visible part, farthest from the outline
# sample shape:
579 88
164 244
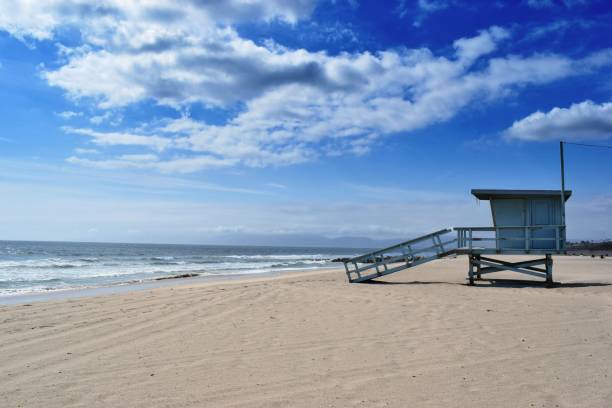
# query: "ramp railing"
401 256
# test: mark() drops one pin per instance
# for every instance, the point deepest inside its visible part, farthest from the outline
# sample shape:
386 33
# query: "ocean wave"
16 282
315 257
43 263
306 262
34 267
168 263
143 270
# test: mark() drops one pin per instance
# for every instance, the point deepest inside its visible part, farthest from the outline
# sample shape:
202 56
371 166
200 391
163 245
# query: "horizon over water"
40 266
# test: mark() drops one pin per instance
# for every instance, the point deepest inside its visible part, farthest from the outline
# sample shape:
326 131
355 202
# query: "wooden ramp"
402 256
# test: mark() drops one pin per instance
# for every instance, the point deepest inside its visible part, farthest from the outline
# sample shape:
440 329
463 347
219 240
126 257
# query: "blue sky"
252 121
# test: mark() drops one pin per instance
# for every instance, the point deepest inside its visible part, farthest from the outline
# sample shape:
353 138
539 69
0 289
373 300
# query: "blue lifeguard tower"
525 222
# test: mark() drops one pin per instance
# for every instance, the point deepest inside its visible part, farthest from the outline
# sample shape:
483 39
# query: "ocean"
27 267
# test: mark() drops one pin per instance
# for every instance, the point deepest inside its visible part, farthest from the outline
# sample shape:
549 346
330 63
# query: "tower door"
510 213
544 211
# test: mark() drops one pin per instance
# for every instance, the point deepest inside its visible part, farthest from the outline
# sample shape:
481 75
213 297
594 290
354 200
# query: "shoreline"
148 284
186 279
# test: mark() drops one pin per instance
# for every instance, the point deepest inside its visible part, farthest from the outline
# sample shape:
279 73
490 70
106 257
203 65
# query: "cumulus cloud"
284 105
101 20
354 100
469 49
226 70
581 121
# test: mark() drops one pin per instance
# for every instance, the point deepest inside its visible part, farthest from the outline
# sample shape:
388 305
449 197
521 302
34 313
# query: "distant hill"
304 240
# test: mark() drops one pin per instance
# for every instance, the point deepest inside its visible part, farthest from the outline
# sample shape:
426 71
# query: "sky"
296 121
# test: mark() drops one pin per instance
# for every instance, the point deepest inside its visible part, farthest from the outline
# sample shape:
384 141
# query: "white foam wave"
283 257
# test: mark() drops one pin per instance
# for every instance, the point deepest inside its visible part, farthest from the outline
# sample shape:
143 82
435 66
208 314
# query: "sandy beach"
423 339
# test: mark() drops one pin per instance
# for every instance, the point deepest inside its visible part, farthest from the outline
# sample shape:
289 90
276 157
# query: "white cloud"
581 121
39 19
338 33
541 4
276 185
469 49
68 114
365 96
218 69
556 26
288 105
81 150
139 157
98 119
121 138
150 161
34 175
421 10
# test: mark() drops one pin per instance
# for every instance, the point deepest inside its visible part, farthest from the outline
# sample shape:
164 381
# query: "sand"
424 339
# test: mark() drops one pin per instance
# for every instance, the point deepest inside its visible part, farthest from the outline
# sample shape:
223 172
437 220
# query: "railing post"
440 243
497 239
348 272
406 251
527 239
470 237
563 237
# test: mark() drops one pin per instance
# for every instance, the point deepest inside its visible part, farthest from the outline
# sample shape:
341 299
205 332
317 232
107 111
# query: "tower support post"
471 268
480 265
549 271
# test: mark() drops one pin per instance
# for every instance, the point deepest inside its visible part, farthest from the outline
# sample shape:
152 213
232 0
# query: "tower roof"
488 194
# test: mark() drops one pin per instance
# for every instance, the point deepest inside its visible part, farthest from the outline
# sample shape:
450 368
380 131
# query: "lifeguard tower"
525 222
